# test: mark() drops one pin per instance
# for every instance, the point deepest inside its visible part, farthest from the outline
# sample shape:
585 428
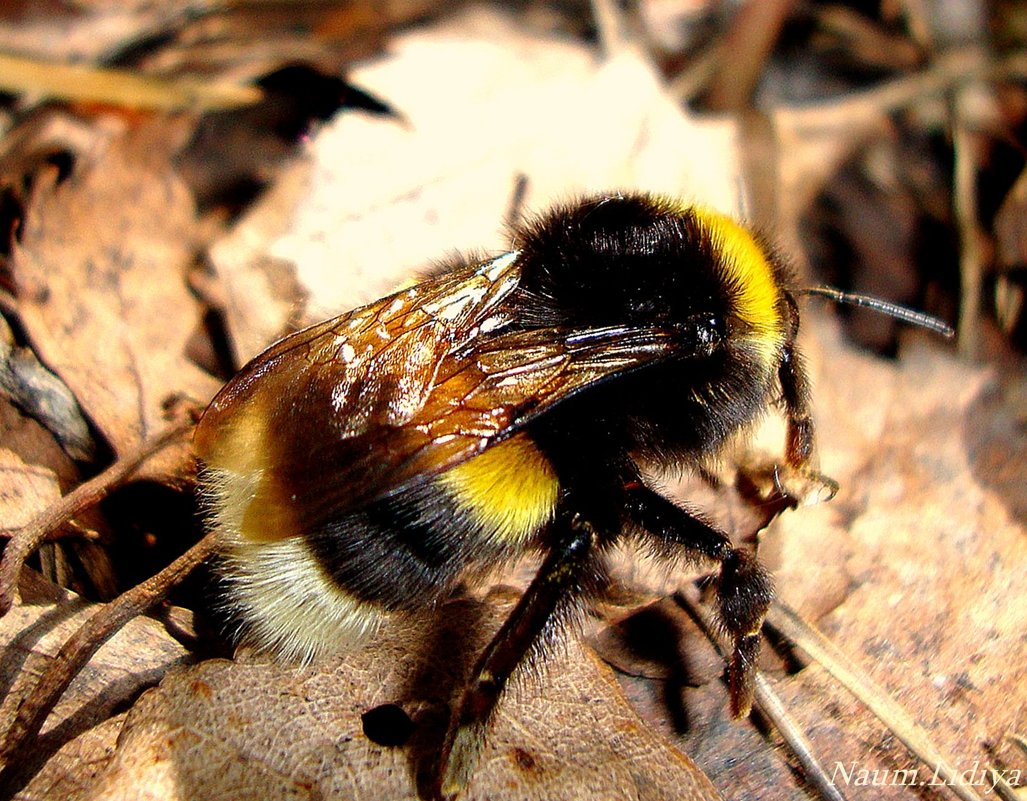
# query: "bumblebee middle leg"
744 588
568 570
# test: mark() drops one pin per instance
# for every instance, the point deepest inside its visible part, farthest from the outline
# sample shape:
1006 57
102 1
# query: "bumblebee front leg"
568 569
795 392
805 482
744 588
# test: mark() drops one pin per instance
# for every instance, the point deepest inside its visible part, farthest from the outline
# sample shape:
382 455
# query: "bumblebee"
371 463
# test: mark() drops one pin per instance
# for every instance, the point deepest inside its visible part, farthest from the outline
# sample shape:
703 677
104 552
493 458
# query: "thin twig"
69 531
770 705
918 22
947 70
964 205
871 694
614 37
80 647
693 78
82 497
1002 788
749 41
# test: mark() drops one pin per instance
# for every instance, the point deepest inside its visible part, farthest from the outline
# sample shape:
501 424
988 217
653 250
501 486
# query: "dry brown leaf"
1010 227
34 472
33 468
256 730
73 769
31 634
100 270
934 542
480 103
25 490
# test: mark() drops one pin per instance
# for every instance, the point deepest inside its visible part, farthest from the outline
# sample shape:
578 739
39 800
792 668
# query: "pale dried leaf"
33 468
480 102
25 490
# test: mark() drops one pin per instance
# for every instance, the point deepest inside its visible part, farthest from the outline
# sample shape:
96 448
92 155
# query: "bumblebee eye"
709 332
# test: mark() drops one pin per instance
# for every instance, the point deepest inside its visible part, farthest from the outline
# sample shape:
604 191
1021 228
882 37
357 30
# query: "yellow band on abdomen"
510 490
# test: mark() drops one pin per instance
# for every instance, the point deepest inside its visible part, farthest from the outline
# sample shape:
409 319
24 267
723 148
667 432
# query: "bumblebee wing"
374 402
334 396
479 398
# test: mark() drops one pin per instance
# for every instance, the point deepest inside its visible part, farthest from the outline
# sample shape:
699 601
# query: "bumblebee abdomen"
509 492
409 549
320 591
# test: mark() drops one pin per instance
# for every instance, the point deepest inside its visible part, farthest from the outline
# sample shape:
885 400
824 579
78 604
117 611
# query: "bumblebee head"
642 260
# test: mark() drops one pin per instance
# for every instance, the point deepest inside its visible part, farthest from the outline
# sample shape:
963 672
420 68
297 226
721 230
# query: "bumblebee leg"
744 588
564 573
803 482
795 392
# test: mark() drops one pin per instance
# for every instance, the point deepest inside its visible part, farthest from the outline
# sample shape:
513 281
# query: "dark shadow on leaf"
653 635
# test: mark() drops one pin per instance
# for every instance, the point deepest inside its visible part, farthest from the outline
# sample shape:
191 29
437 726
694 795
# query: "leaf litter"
79 737
270 731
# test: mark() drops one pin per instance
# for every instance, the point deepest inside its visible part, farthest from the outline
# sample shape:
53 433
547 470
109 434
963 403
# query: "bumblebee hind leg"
569 570
744 588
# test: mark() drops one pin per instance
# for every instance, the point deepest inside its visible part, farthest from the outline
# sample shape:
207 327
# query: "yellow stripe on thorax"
754 287
510 490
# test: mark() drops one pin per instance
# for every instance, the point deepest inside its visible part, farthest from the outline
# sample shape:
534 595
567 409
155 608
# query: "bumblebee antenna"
885 307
